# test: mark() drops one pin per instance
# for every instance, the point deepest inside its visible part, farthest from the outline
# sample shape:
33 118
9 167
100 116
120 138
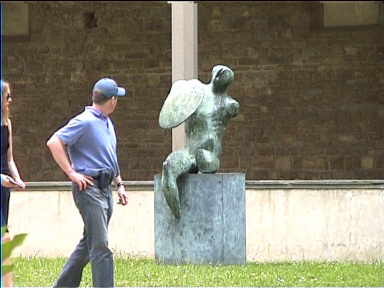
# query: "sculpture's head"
222 76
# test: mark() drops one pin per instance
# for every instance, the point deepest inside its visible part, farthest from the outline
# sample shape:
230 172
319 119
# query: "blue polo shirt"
91 141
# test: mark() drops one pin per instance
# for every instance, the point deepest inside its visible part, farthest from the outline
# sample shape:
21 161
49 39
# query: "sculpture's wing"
183 99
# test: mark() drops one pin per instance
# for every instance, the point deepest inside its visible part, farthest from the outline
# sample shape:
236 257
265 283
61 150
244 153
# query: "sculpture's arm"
233 107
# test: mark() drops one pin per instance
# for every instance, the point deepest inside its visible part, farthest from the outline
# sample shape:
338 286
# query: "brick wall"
311 99
71 45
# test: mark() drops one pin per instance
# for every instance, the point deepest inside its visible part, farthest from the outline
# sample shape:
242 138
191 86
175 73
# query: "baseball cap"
109 87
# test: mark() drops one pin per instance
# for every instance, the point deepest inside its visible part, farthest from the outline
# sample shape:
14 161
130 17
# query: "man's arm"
56 146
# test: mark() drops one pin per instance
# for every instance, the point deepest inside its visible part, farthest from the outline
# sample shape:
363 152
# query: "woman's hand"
8 182
20 183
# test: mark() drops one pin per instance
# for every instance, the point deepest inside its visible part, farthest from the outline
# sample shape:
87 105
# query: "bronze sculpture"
206 110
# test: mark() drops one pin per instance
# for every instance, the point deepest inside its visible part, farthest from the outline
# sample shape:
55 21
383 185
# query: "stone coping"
249 184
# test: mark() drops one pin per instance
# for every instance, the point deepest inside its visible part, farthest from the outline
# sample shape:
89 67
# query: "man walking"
92 165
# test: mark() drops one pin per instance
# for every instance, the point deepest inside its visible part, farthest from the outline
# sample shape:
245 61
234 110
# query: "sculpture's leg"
207 161
176 164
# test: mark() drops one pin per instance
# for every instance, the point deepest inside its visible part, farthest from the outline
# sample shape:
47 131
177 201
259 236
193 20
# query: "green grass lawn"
145 272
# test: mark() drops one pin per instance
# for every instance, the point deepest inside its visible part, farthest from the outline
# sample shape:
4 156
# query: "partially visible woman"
10 177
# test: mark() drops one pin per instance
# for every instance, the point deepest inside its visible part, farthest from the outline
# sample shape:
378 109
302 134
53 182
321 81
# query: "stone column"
184 52
211 228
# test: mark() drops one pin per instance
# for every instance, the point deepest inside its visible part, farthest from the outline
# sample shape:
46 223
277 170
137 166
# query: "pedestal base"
211 228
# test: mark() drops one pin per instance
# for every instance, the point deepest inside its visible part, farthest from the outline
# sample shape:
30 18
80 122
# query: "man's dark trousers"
95 206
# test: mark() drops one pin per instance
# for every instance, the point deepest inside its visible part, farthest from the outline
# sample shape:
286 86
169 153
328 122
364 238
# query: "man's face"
113 103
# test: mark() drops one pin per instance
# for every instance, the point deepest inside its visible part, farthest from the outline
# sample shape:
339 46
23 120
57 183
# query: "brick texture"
311 99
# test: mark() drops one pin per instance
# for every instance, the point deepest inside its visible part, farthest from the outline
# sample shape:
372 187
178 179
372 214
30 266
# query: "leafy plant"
7 249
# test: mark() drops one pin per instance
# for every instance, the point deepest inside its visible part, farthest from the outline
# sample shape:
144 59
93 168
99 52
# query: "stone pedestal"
211 228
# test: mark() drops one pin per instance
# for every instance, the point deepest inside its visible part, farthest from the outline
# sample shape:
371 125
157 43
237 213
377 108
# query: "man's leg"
96 210
73 269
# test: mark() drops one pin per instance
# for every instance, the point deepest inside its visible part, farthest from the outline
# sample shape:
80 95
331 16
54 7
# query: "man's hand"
81 180
123 195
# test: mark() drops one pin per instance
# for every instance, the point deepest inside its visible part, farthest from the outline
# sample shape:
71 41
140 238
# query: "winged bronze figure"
205 109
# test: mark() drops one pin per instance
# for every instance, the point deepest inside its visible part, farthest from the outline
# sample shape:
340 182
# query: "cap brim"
120 91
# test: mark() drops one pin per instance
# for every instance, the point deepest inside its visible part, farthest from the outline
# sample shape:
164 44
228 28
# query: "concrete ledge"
249 184
315 184
67 186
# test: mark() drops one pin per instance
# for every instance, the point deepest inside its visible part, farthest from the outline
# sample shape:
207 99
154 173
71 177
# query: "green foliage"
3 229
7 249
6 268
130 272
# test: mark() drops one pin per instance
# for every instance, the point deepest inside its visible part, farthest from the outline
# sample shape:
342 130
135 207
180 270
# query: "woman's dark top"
4 149
5 192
